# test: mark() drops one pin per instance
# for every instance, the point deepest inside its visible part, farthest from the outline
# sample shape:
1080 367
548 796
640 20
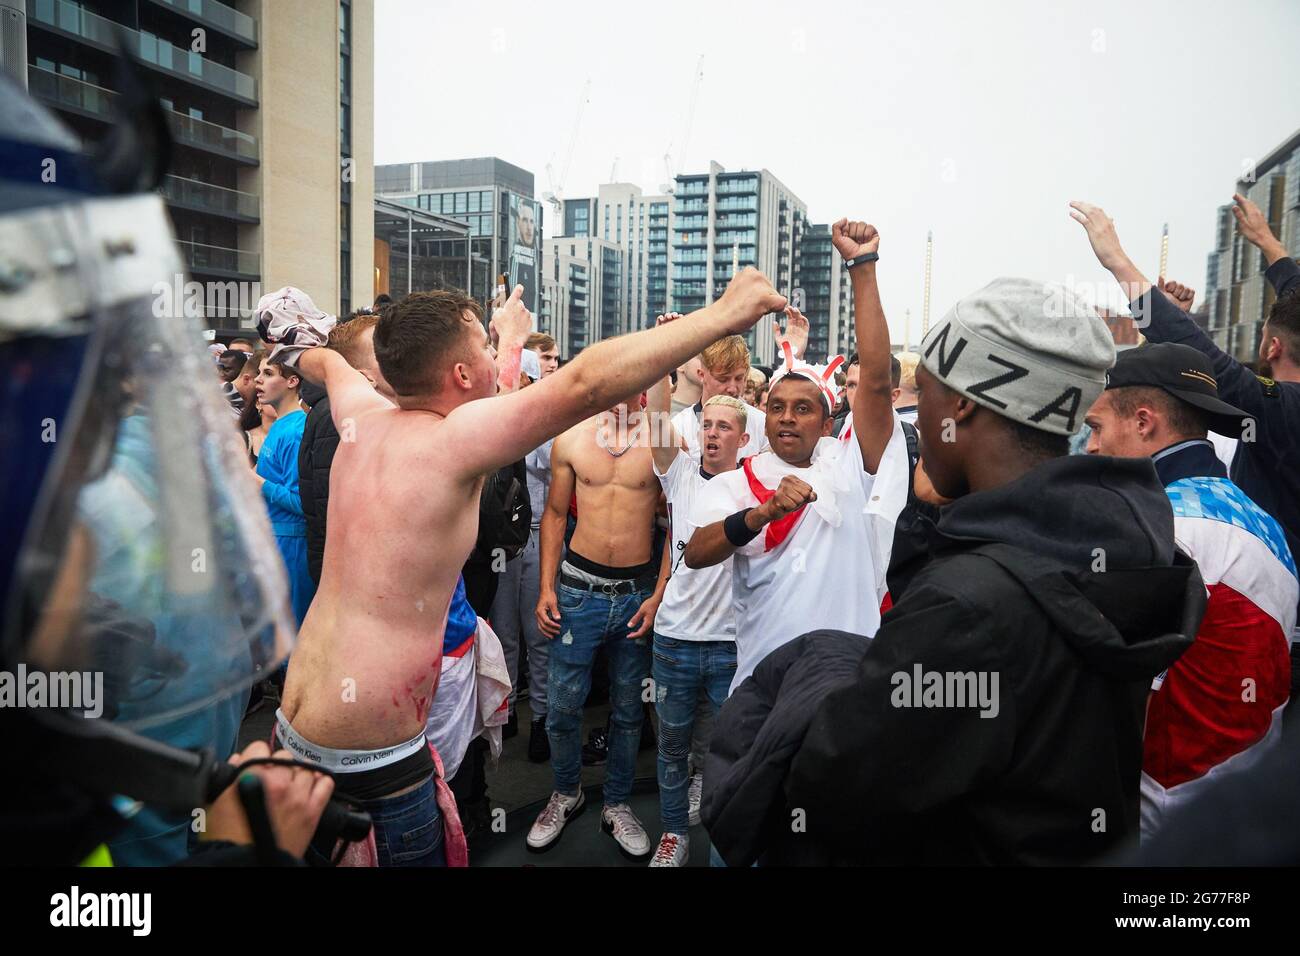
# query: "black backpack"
505 515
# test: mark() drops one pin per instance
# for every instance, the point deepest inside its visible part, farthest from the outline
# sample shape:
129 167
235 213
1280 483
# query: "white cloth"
1225 448
830 571
472 695
290 320
687 423
697 602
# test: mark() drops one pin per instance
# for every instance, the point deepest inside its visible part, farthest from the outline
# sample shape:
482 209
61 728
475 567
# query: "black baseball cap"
1184 373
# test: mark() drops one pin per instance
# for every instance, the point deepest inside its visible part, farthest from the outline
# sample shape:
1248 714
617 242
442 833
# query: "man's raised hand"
791 495
748 297
512 322
796 331
1254 227
1101 233
1183 296
853 239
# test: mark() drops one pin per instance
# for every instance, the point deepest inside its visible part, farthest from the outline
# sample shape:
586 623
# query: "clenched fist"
1183 296
853 239
749 297
791 495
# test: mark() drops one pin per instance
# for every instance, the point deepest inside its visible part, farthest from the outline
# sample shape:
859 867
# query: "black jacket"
1009 587
1267 468
320 439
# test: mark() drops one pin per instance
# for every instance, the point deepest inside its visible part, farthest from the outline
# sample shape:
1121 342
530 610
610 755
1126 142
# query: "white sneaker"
694 796
548 826
673 850
621 823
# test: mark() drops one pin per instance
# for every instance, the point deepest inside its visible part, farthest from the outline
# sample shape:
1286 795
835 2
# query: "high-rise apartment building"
593 271
495 199
271 108
728 220
827 298
1237 295
640 226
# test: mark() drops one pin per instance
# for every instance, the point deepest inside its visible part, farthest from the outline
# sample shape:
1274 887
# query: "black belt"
605 587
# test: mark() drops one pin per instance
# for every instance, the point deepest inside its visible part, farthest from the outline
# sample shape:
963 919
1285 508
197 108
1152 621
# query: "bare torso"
617 497
400 528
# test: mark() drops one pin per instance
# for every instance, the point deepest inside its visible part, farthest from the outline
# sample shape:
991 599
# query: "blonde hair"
907 363
735 404
725 356
345 337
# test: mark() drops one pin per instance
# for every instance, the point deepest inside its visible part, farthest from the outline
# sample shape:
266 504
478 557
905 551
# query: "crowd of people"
869 611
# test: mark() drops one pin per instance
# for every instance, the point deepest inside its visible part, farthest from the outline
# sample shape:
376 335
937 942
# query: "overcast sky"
978 121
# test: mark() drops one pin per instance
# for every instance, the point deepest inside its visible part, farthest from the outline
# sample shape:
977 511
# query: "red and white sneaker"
674 849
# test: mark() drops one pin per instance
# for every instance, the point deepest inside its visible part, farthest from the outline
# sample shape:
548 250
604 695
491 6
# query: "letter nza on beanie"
1033 352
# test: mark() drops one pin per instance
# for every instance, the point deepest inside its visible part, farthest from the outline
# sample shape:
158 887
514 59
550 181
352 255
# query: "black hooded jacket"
1065 588
320 439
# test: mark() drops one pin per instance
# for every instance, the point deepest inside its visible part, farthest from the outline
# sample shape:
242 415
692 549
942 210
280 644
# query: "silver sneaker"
548 826
674 849
621 823
694 796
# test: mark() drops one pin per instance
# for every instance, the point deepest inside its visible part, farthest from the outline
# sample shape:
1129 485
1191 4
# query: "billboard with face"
525 248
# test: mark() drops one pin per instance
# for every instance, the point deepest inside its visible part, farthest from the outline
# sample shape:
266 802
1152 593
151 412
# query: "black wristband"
859 260
737 532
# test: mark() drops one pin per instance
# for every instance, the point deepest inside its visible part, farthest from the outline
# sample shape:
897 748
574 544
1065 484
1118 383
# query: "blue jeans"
408 828
681 670
589 619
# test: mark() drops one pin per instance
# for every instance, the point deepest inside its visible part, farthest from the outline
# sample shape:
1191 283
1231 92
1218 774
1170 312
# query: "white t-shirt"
697 603
687 423
830 570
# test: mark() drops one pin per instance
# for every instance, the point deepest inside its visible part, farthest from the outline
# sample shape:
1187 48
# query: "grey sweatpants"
514 617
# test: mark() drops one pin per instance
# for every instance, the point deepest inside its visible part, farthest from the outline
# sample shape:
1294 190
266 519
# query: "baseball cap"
1184 373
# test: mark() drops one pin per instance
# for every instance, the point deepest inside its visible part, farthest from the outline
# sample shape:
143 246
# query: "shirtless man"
609 592
404 517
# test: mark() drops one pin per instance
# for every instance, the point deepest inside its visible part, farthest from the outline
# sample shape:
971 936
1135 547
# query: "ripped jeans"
681 670
589 619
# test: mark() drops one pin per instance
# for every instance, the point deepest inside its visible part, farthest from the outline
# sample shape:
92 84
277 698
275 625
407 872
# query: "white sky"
977 120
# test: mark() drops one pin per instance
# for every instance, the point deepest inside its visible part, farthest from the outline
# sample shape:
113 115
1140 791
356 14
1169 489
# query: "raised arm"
351 394
493 432
665 443
873 409
551 528
1157 315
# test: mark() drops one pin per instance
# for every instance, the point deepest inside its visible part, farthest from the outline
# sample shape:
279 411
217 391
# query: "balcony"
213 137
68 19
220 261
228 20
204 197
78 96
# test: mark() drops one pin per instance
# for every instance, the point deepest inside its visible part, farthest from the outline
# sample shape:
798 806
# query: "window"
487 200
460 203
474 202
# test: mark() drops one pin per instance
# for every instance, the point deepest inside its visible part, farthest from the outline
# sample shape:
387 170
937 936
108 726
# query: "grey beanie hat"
1031 351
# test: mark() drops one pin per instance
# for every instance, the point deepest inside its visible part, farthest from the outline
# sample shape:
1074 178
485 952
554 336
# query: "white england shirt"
697 603
829 572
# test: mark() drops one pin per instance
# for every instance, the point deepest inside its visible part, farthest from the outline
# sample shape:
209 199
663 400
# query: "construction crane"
674 168
556 194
